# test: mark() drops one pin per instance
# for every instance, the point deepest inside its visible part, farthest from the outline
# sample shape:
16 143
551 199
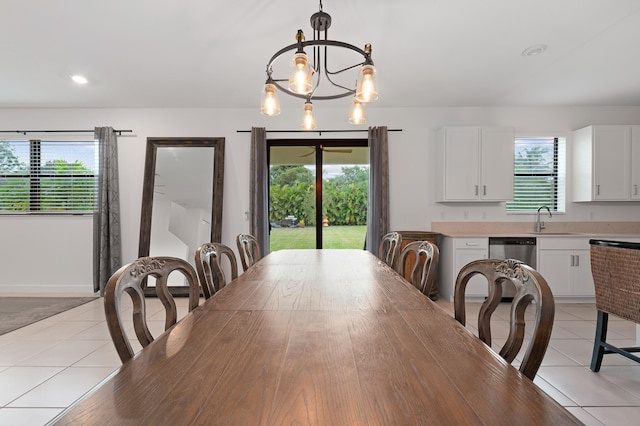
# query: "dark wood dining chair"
390 247
423 271
248 249
530 287
130 279
211 274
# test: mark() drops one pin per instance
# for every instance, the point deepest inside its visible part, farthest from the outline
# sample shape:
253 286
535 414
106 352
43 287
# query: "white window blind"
48 176
539 175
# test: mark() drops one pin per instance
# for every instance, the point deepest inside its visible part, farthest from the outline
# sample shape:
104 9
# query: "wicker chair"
425 266
209 267
248 249
130 279
615 267
390 247
530 287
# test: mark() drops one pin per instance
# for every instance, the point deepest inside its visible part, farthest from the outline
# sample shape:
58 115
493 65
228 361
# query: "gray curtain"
107 250
259 203
378 210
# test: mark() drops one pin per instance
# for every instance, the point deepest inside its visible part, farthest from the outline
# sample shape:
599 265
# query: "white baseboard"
47 290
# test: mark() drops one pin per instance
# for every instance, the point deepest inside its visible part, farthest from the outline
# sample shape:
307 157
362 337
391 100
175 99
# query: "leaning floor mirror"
181 200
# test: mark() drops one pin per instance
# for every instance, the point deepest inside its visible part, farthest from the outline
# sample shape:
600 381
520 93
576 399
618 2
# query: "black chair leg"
601 337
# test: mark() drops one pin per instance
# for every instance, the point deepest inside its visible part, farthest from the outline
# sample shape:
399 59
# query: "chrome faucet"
539 223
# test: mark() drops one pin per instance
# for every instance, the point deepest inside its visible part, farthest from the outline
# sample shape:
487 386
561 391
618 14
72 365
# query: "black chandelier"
304 77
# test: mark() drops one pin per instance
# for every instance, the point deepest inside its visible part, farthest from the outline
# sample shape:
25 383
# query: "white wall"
55 253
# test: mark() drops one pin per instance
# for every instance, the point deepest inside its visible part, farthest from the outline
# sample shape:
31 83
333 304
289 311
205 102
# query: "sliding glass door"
318 192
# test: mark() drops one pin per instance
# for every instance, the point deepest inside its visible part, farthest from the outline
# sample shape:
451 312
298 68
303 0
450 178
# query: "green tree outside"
292 192
530 161
14 189
64 193
69 186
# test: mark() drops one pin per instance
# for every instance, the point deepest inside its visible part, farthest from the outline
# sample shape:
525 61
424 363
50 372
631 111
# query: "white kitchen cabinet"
606 160
474 164
565 264
635 162
456 253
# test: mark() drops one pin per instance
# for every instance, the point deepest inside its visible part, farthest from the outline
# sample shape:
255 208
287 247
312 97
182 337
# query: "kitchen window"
539 175
48 176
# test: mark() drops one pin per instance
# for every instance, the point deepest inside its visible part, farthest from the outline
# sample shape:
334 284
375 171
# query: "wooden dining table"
317 337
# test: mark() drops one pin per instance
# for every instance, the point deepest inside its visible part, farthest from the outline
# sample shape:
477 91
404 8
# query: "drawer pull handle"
472 244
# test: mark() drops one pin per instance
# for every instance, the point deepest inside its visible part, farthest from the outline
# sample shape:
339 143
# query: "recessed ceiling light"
536 49
79 79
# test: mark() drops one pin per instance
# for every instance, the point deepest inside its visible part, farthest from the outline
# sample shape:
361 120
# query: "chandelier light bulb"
300 76
357 113
270 102
308 122
368 88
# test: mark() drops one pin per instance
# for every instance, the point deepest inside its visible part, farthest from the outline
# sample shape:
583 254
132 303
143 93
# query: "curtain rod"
320 132
24 132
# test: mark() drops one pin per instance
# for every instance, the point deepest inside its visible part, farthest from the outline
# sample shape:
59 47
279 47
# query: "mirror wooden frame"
153 144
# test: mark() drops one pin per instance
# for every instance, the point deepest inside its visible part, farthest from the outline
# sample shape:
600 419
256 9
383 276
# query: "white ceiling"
194 53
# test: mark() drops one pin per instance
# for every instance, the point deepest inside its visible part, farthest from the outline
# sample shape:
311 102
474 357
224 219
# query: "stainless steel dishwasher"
520 248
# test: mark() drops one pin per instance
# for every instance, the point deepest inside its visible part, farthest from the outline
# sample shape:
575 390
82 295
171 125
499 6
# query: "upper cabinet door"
474 164
458 164
602 164
497 164
611 167
635 163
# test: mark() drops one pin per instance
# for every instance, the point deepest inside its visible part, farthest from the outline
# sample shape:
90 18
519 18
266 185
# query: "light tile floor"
46 366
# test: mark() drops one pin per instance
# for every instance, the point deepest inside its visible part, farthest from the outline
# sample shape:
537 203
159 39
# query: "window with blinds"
48 176
539 175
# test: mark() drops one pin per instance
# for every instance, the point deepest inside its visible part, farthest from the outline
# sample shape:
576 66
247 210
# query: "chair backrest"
209 267
424 270
615 267
390 247
530 287
130 279
248 249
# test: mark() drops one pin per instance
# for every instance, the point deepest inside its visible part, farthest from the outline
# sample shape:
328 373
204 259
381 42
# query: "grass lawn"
335 237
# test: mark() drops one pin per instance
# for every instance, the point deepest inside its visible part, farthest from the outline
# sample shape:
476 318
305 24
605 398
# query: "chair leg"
600 339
